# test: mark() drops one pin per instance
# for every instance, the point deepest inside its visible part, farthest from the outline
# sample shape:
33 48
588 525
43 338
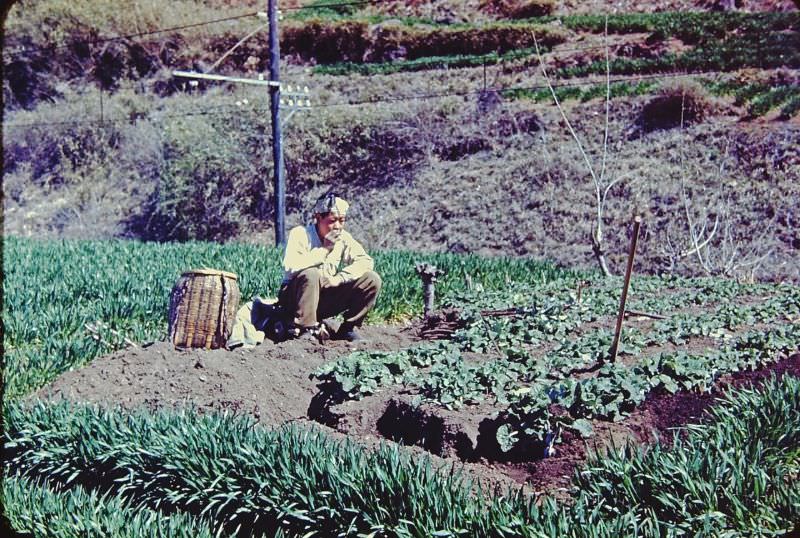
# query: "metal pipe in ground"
428 274
637 220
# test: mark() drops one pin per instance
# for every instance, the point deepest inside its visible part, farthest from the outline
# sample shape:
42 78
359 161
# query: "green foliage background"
54 288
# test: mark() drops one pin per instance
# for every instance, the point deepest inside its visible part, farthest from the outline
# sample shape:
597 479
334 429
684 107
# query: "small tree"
601 183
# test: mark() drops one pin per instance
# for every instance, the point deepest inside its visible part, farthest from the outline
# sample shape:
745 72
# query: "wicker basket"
202 308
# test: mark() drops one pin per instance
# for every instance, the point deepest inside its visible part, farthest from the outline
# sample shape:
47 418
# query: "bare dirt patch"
272 383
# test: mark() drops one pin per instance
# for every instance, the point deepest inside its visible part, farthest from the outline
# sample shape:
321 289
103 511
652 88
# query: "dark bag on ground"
272 319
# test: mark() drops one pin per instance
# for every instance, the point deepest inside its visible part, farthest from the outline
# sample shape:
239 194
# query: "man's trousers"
309 303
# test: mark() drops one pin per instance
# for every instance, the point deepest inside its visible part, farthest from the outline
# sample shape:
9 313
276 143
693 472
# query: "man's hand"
331 281
320 253
332 238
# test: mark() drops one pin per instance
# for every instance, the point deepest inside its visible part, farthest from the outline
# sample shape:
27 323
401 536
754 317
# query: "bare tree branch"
561 111
718 251
608 103
598 242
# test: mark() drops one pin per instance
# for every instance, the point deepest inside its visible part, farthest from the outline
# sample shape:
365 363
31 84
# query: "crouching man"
327 272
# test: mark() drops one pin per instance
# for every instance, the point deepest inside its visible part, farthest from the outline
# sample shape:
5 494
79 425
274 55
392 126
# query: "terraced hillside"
509 142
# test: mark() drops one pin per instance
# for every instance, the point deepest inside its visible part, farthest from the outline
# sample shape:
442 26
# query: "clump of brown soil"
676 105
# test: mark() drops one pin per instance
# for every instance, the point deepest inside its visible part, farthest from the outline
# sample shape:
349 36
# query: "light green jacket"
304 249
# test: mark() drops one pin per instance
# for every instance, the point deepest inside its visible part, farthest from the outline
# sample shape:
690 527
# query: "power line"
518 88
152 115
182 27
138 34
334 5
218 110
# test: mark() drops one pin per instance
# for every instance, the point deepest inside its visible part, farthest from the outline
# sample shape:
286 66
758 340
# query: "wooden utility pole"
297 100
277 146
637 220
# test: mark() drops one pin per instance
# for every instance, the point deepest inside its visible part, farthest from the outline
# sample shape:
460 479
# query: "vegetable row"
79 470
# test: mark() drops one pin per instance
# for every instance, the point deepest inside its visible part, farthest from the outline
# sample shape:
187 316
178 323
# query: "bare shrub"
206 184
463 148
717 235
27 81
57 148
72 178
680 103
329 42
518 9
712 212
365 149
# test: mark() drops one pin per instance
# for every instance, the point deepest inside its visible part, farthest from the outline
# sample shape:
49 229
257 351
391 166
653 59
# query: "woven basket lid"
210 272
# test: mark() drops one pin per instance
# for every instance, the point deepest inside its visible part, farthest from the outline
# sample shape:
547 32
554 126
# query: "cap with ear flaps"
330 203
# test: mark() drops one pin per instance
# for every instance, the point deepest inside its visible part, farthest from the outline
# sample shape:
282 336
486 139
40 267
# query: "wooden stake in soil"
637 220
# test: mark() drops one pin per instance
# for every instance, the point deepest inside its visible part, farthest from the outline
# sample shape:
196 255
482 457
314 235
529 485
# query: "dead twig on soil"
435 334
644 314
501 313
94 329
445 329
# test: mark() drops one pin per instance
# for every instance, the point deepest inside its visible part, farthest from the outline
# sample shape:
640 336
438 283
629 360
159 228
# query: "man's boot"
316 333
347 331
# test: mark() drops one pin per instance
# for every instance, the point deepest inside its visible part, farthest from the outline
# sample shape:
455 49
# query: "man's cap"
330 203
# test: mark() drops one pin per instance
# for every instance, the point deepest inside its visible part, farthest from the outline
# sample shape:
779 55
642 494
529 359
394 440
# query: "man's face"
328 223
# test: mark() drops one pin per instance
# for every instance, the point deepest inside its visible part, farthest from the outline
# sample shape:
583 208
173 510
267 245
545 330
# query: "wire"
24 50
320 6
438 95
155 115
138 34
519 88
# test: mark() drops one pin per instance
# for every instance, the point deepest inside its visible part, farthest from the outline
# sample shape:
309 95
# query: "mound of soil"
272 383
